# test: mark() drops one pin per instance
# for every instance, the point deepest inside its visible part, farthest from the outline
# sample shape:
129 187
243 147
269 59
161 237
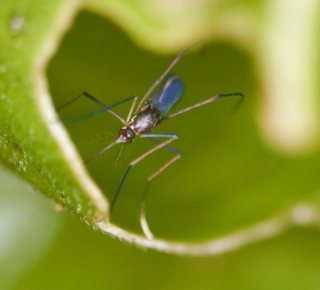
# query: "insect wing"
168 95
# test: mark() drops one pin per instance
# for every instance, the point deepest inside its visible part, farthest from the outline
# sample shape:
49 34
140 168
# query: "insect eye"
126 133
123 132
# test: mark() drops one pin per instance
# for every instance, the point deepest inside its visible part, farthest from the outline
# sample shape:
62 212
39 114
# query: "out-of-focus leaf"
27 227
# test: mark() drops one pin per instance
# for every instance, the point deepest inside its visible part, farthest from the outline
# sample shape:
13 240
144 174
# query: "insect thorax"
146 120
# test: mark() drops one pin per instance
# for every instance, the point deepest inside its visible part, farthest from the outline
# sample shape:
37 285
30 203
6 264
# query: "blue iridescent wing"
168 95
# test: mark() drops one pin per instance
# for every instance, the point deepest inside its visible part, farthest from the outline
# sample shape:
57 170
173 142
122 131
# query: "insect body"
142 120
154 111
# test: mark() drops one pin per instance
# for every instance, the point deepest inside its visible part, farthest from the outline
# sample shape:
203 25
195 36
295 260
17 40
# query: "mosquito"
143 119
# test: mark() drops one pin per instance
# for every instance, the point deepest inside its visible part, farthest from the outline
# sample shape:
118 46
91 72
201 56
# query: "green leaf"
27 145
230 185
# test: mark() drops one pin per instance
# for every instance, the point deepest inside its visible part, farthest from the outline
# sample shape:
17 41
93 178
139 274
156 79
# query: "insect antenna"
103 138
121 157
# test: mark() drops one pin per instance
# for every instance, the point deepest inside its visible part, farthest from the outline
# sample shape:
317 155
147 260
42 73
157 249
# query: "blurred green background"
228 179
216 144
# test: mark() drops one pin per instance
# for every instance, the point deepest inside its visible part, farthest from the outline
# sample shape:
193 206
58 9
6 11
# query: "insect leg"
204 103
95 113
143 219
99 153
166 135
172 137
168 147
135 98
180 55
